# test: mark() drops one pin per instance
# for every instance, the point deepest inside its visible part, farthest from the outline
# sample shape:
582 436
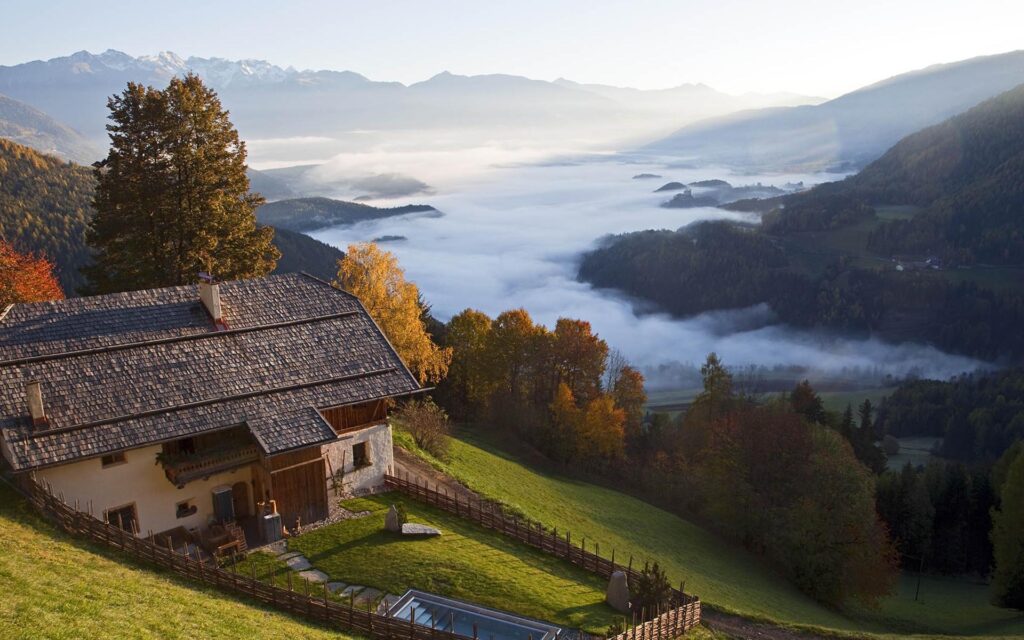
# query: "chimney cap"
207 277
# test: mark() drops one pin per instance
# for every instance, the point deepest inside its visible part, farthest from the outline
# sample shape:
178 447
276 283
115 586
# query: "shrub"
428 425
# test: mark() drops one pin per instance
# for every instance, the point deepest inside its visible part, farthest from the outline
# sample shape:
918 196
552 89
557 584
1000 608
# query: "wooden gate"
299 486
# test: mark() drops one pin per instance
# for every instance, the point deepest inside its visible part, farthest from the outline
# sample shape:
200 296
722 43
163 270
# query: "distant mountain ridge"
851 130
270 101
965 175
29 126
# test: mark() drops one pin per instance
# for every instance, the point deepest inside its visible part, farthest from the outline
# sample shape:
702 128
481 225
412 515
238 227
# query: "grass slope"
724 576
57 587
466 562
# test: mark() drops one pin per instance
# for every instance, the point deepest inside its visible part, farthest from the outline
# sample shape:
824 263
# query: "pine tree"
172 196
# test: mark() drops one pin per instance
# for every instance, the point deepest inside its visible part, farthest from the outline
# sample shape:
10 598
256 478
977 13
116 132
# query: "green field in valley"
723 575
58 587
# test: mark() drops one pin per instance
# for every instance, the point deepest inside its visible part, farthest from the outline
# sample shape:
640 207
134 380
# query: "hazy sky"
822 47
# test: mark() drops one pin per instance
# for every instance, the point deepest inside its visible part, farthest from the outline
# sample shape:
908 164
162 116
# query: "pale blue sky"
823 47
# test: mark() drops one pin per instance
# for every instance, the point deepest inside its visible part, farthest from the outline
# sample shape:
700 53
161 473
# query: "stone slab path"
361 596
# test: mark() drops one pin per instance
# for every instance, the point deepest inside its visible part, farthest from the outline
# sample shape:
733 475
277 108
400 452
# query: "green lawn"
466 562
721 574
57 587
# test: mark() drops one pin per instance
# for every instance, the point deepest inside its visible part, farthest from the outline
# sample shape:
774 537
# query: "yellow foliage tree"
375 277
601 429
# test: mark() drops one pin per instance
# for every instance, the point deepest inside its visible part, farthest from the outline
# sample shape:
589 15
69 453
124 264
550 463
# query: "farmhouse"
202 409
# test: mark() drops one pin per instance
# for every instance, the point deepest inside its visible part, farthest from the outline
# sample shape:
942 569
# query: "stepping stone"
335 587
278 548
389 600
288 554
351 590
420 530
314 575
368 595
298 563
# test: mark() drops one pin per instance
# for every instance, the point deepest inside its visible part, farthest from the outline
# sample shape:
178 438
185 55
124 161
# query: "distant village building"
198 408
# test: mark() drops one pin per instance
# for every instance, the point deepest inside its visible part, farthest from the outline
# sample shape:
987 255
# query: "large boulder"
393 521
617 595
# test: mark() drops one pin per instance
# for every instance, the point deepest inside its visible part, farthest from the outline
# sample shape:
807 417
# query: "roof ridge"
209 401
173 339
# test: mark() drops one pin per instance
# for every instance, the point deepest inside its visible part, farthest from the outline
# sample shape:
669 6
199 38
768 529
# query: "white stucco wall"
140 480
382 458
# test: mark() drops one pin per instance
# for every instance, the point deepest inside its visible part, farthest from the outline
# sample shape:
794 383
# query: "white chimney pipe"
209 293
34 395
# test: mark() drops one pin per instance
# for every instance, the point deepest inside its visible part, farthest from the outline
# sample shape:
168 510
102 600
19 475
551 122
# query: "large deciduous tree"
172 196
374 276
25 277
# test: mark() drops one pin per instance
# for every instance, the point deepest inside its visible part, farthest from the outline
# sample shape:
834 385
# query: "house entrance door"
240 493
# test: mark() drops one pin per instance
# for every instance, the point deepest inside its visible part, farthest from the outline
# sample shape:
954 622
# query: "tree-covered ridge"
967 174
309 214
44 208
718 265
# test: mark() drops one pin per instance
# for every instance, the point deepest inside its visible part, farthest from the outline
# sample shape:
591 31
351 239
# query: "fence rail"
306 603
682 614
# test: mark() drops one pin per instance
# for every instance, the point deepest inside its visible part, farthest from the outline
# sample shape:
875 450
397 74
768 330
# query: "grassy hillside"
57 587
723 576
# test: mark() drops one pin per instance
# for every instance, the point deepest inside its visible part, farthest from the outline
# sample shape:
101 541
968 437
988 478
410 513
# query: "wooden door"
301 493
240 494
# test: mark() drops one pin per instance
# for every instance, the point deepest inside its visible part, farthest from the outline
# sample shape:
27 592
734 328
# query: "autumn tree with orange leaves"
375 277
25 277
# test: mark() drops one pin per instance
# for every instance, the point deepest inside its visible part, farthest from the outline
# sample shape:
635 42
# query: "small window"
112 459
123 518
360 455
185 509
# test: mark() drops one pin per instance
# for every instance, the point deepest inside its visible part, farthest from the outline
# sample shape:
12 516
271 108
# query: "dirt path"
730 625
416 467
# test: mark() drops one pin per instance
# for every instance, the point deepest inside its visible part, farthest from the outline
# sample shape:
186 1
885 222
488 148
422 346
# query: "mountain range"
268 101
851 130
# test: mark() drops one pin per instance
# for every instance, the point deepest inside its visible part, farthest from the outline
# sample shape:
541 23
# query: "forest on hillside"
719 265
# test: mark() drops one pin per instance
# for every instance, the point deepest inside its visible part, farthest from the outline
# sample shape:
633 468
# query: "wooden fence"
681 615
307 603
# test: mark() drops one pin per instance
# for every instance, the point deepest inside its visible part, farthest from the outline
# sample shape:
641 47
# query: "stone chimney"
209 293
34 396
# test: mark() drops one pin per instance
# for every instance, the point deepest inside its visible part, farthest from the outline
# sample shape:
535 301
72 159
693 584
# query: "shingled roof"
131 369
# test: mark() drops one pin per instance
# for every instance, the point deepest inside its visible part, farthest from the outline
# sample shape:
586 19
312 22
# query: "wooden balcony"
183 468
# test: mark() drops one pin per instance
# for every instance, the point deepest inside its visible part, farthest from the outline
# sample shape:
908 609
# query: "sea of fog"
512 235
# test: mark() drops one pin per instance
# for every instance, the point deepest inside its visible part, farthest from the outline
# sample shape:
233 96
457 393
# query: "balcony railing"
181 469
